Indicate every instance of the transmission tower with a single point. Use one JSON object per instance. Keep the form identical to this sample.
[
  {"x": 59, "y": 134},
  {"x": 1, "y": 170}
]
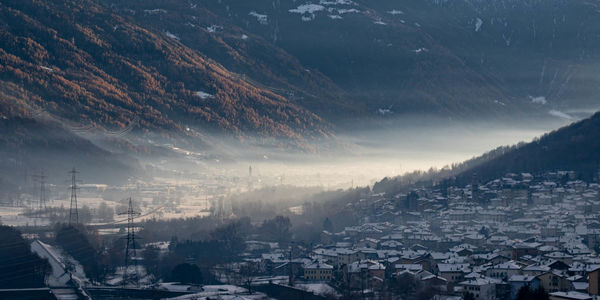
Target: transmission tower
[
  {"x": 42, "y": 180},
  {"x": 73, "y": 212},
  {"x": 130, "y": 250},
  {"x": 249, "y": 178},
  {"x": 290, "y": 265}
]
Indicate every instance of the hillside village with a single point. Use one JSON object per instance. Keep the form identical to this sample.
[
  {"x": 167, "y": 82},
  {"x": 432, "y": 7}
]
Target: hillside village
[
  {"x": 508, "y": 238},
  {"x": 486, "y": 241}
]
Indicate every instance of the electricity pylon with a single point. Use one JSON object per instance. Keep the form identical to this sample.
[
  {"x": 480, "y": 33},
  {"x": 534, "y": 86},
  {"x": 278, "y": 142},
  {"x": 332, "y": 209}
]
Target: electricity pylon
[
  {"x": 42, "y": 180},
  {"x": 130, "y": 248},
  {"x": 73, "y": 212}
]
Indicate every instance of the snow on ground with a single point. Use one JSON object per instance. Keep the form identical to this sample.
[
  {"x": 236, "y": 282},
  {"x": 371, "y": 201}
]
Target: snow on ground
[
  {"x": 213, "y": 291},
  {"x": 64, "y": 268},
  {"x": 259, "y": 280},
  {"x": 320, "y": 289},
  {"x": 379, "y": 22},
  {"x": 117, "y": 278},
  {"x": 334, "y": 17},
  {"x": 67, "y": 260},
  {"x": 174, "y": 286},
  {"x": 478, "y": 23},
  {"x": 58, "y": 276},
  {"x": 262, "y": 19},
  {"x": 204, "y": 95}
]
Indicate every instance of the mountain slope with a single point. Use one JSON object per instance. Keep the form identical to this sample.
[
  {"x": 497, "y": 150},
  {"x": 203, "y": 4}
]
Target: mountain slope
[
  {"x": 89, "y": 65},
  {"x": 248, "y": 55},
  {"x": 543, "y": 53},
  {"x": 572, "y": 148},
  {"x": 290, "y": 73},
  {"x": 30, "y": 143},
  {"x": 452, "y": 58},
  {"x": 389, "y": 65}
]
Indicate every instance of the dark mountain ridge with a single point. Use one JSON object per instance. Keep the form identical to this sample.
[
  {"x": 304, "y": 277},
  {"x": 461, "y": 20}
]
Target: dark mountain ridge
[
  {"x": 575, "y": 147},
  {"x": 572, "y": 148}
]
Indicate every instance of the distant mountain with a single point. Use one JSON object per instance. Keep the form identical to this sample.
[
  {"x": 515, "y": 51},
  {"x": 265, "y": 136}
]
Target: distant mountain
[
  {"x": 394, "y": 67},
  {"x": 452, "y": 58},
  {"x": 543, "y": 52}
]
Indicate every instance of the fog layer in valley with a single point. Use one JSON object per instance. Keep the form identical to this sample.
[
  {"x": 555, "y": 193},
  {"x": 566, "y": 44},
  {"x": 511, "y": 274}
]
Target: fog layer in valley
[{"x": 185, "y": 182}]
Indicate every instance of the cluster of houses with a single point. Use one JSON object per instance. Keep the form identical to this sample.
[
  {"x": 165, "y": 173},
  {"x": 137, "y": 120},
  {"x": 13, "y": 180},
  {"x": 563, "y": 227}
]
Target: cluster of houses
[{"x": 483, "y": 240}]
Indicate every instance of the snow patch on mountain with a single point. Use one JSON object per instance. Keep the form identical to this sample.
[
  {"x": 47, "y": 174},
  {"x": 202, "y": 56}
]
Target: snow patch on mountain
[
  {"x": 395, "y": 12},
  {"x": 507, "y": 40},
  {"x": 262, "y": 19},
  {"x": 347, "y": 11},
  {"x": 213, "y": 28},
  {"x": 204, "y": 95},
  {"x": 47, "y": 69},
  {"x": 560, "y": 114},
  {"x": 538, "y": 100},
  {"x": 307, "y": 9},
  {"x": 478, "y": 23},
  {"x": 172, "y": 35},
  {"x": 337, "y": 2},
  {"x": 155, "y": 11},
  {"x": 384, "y": 111}
]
